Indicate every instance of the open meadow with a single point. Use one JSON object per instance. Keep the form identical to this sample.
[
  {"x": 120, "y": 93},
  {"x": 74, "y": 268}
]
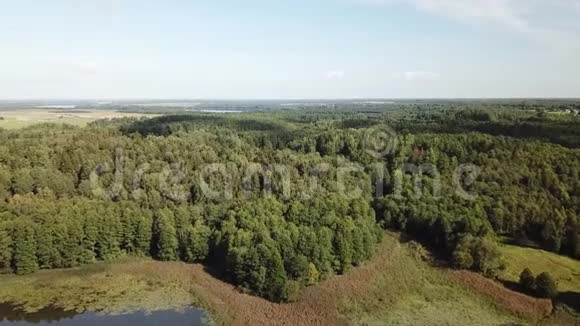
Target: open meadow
[
  {"x": 566, "y": 270},
  {"x": 15, "y": 119}
]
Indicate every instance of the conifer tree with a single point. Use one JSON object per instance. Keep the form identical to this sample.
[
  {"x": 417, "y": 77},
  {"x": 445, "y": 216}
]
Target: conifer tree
[
  {"x": 5, "y": 246},
  {"x": 24, "y": 259},
  {"x": 165, "y": 235}
]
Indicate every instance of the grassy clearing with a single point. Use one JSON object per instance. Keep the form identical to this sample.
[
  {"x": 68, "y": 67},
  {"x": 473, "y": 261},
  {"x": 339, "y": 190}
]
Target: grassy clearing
[
  {"x": 410, "y": 292},
  {"x": 565, "y": 270},
  {"x": 16, "y": 119}
]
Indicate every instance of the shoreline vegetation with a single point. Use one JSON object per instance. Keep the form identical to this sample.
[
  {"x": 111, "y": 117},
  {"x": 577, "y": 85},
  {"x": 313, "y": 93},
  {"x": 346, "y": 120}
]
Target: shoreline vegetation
[{"x": 396, "y": 287}]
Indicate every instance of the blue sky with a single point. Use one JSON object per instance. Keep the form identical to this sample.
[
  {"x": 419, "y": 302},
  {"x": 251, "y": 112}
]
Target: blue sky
[{"x": 113, "y": 49}]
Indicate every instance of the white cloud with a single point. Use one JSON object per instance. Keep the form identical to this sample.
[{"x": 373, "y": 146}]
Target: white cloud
[
  {"x": 536, "y": 19},
  {"x": 502, "y": 11},
  {"x": 334, "y": 75}
]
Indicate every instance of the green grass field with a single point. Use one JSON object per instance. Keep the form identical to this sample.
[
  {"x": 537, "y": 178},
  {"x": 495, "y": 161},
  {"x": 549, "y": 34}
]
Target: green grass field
[
  {"x": 410, "y": 292},
  {"x": 565, "y": 270}
]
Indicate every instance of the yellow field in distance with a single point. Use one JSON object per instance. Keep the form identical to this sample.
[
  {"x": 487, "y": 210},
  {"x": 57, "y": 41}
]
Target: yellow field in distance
[{"x": 15, "y": 119}]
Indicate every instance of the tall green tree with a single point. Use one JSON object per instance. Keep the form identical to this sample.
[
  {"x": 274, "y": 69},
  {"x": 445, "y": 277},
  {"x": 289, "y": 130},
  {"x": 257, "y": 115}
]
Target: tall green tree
[
  {"x": 24, "y": 259},
  {"x": 5, "y": 246},
  {"x": 165, "y": 235}
]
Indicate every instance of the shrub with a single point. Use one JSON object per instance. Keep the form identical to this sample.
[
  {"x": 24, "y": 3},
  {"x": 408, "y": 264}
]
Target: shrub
[
  {"x": 293, "y": 290},
  {"x": 313, "y": 275},
  {"x": 546, "y": 286},
  {"x": 419, "y": 252},
  {"x": 527, "y": 280},
  {"x": 480, "y": 255},
  {"x": 462, "y": 257}
]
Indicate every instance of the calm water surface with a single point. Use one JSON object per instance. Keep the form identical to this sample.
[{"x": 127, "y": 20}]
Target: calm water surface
[{"x": 11, "y": 316}]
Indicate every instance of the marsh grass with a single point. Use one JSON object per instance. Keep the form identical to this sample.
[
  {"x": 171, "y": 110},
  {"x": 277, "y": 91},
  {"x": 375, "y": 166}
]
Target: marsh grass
[{"x": 112, "y": 288}]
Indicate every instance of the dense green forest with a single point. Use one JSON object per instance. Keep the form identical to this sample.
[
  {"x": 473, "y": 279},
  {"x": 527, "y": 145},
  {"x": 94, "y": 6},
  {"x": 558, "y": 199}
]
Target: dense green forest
[{"x": 278, "y": 200}]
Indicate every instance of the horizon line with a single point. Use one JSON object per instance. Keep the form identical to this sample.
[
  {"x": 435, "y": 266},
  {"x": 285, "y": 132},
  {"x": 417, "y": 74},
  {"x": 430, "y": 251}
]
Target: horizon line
[{"x": 184, "y": 99}]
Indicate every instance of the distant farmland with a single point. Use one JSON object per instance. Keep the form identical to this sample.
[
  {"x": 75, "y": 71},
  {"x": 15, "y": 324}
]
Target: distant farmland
[{"x": 15, "y": 119}]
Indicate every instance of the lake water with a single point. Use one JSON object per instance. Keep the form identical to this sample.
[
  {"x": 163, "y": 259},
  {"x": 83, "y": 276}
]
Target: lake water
[{"x": 9, "y": 316}]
